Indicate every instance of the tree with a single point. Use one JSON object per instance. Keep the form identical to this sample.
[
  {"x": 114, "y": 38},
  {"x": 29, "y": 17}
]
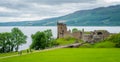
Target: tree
[
  {"x": 2, "y": 43},
  {"x": 48, "y": 34},
  {"x": 12, "y": 40},
  {"x": 42, "y": 40},
  {"x": 39, "y": 41},
  {"x": 75, "y": 30},
  {"x": 8, "y": 39},
  {"x": 18, "y": 38},
  {"x": 5, "y": 42}
]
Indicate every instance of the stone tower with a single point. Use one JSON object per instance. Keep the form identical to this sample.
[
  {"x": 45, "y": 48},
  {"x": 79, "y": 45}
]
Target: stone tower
[
  {"x": 82, "y": 33},
  {"x": 62, "y": 30}
]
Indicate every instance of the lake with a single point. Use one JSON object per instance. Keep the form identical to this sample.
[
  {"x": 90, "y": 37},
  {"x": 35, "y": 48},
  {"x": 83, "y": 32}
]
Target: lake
[{"x": 28, "y": 30}]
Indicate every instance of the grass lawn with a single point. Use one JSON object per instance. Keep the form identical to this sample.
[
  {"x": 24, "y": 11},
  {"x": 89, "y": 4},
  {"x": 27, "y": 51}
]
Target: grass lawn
[
  {"x": 10, "y": 53},
  {"x": 66, "y": 41},
  {"x": 70, "y": 55}
]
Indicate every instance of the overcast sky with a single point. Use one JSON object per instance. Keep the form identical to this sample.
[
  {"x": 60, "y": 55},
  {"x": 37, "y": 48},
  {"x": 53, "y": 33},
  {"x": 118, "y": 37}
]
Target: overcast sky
[{"x": 27, "y": 10}]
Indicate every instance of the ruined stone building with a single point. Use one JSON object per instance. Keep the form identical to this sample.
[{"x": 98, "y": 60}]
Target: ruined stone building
[{"x": 93, "y": 36}]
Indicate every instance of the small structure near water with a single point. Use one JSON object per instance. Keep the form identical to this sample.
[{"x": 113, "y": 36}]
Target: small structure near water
[{"x": 93, "y": 36}]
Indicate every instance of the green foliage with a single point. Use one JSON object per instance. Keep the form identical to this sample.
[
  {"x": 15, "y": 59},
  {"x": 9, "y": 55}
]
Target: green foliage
[
  {"x": 101, "y": 44},
  {"x": 75, "y": 30},
  {"x": 115, "y": 38},
  {"x": 106, "y": 44},
  {"x": 49, "y": 39},
  {"x": 42, "y": 40},
  {"x": 5, "y": 42},
  {"x": 39, "y": 41},
  {"x": 87, "y": 32},
  {"x": 86, "y": 45},
  {"x": 65, "y": 41},
  {"x": 12, "y": 40},
  {"x": 19, "y": 38}
]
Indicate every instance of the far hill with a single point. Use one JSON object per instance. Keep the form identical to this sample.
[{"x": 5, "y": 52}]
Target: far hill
[{"x": 103, "y": 16}]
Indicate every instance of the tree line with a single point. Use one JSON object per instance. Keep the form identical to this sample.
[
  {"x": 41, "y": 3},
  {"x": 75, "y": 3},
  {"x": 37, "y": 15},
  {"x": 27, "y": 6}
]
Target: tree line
[{"x": 10, "y": 41}]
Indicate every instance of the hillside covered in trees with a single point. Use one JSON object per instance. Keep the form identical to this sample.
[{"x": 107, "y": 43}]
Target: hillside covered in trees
[{"x": 103, "y": 16}]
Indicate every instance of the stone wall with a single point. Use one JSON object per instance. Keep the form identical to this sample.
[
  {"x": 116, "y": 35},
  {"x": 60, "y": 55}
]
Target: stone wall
[
  {"x": 87, "y": 38},
  {"x": 77, "y": 35},
  {"x": 94, "y": 36}
]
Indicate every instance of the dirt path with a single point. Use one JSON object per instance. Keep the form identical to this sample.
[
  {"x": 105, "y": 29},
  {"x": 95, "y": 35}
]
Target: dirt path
[{"x": 41, "y": 50}]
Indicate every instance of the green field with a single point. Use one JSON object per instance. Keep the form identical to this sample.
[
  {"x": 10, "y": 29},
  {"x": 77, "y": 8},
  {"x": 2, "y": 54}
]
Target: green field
[
  {"x": 70, "y": 55},
  {"x": 11, "y": 53},
  {"x": 7, "y": 54}
]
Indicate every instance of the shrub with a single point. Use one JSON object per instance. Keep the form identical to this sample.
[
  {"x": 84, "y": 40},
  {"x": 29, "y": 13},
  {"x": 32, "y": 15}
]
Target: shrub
[
  {"x": 86, "y": 45},
  {"x": 105, "y": 44},
  {"x": 115, "y": 38},
  {"x": 65, "y": 41}
]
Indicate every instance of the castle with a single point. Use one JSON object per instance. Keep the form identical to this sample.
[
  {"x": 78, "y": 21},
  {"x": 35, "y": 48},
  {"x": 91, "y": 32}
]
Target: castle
[{"x": 92, "y": 36}]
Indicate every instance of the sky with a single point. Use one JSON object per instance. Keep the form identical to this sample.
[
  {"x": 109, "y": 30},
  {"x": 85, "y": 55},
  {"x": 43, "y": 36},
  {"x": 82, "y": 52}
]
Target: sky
[{"x": 31, "y": 10}]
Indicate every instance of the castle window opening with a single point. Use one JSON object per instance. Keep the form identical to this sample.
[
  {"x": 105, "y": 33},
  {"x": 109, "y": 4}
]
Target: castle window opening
[{"x": 99, "y": 33}]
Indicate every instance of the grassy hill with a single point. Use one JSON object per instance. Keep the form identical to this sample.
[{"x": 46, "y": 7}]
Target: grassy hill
[
  {"x": 103, "y": 16},
  {"x": 70, "y": 55}
]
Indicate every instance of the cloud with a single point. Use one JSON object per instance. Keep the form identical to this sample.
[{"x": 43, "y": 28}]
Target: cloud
[
  {"x": 112, "y": 1},
  {"x": 21, "y": 10},
  {"x": 56, "y": 2}
]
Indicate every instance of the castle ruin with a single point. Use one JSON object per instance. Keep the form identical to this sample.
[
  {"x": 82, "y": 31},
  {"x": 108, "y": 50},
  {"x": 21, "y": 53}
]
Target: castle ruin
[{"x": 93, "y": 36}]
